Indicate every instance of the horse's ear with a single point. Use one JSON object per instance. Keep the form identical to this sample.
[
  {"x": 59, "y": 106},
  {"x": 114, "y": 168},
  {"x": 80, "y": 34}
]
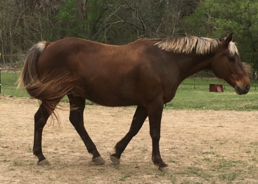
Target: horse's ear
[
  {"x": 227, "y": 39},
  {"x": 224, "y": 36}
]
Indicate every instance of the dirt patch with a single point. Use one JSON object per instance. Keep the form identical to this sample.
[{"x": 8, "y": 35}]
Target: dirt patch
[{"x": 199, "y": 146}]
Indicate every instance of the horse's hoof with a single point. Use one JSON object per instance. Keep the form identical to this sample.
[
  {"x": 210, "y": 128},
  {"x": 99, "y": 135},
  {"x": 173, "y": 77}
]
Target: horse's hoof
[
  {"x": 98, "y": 161},
  {"x": 116, "y": 161},
  {"x": 43, "y": 162},
  {"x": 165, "y": 169}
]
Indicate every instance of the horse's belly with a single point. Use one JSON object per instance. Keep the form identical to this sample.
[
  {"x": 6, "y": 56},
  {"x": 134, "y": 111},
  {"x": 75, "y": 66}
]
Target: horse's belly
[
  {"x": 111, "y": 101},
  {"x": 109, "y": 97}
]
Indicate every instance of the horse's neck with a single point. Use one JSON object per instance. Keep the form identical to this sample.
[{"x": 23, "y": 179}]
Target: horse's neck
[{"x": 193, "y": 64}]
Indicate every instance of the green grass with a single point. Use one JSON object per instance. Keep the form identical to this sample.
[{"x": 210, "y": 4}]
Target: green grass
[
  {"x": 193, "y": 93},
  {"x": 9, "y": 85}
]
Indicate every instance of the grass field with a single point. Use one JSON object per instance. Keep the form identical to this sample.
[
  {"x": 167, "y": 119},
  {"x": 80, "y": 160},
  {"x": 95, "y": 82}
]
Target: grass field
[{"x": 193, "y": 93}]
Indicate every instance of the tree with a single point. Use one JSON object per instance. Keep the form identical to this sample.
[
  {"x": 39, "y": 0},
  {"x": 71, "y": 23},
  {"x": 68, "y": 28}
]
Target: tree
[
  {"x": 122, "y": 21},
  {"x": 23, "y": 23},
  {"x": 70, "y": 23},
  {"x": 26, "y": 22}
]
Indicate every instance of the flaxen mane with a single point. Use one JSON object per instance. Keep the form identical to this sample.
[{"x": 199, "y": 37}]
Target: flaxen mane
[{"x": 186, "y": 45}]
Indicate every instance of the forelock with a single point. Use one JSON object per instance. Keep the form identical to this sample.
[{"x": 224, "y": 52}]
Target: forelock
[{"x": 233, "y": 48}]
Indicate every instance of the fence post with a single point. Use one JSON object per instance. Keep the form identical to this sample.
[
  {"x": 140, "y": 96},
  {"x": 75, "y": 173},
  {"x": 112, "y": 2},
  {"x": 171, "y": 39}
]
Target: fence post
[{"x": 0, "y": 72}]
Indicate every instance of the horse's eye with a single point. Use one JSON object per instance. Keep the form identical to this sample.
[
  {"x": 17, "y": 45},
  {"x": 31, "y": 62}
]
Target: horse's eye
[{"x": 231, "y": 59}]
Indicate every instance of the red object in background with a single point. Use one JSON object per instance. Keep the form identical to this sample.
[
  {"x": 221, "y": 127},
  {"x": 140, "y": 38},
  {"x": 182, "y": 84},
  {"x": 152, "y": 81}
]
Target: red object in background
[{"x": 216, "y": 87}]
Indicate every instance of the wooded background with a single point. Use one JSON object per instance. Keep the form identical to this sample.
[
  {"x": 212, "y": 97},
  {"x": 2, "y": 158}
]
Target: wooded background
[{"x": 26, "y": 22}]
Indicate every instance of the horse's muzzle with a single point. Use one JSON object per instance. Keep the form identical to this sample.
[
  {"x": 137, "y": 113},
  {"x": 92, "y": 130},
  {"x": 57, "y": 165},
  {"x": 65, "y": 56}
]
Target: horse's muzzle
[{"x": 242, "y": 91}]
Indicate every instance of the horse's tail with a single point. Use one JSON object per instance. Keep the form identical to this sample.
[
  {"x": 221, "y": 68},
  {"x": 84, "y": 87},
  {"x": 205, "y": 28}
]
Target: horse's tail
[
  {"x": 29, "y": 74},
  {"x": 49, "y": 88}
]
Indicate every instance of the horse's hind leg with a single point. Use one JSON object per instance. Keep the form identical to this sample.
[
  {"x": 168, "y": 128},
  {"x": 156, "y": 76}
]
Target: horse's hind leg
[
  {"x": 40, "y": 120},
  {"x": 77, "y": 105},
  {"x": 137, "y": 122}
]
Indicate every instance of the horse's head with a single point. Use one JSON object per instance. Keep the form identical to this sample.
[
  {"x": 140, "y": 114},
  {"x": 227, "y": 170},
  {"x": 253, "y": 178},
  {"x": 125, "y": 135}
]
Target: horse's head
[{"x": 227, "y": 65}]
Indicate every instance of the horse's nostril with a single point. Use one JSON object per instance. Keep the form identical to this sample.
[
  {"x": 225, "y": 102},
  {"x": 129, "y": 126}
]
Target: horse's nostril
[{"x": 247, "y": 87}]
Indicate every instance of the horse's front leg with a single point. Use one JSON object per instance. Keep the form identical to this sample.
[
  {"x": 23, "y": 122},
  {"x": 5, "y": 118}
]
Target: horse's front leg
[
  {"x": 155, "y": 114},
  {"x": 137, "y": 122}
]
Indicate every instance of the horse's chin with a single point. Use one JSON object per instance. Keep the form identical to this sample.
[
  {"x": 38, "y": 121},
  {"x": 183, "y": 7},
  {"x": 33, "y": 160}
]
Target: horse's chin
[
  {"x": 242, "y": 91},
  {"x": 237, "y": 91}
]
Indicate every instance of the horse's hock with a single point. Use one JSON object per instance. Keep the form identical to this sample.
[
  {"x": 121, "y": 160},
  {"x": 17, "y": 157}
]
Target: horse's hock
[{"x": 216, "y": 87}]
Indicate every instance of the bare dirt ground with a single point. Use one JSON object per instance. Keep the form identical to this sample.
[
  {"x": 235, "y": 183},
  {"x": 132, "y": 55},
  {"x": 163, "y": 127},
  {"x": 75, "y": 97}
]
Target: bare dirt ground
[{"x": 199, "y": 146}]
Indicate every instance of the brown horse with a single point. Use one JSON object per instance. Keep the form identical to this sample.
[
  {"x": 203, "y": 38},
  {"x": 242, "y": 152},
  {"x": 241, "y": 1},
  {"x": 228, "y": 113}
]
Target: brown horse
[{"x": 145, "y": 73}]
